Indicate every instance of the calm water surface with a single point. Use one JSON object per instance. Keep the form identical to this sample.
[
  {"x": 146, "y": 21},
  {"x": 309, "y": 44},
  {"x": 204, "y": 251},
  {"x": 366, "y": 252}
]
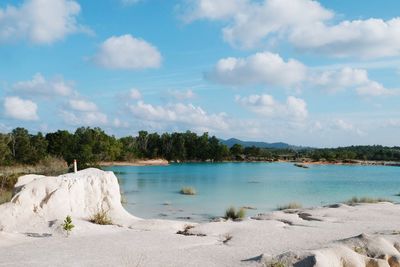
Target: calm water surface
[{"x": 263, "y": 186}]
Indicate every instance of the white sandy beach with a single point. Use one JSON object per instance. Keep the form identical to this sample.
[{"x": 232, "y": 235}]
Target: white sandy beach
[{"x": 31, "y": 233}]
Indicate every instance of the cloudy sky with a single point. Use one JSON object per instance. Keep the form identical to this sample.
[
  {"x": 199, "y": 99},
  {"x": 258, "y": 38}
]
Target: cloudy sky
[{"x": 305, "y": 72}]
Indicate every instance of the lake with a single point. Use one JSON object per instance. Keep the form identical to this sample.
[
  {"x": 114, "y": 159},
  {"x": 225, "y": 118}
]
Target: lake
[{"x": 153, "y": 191}]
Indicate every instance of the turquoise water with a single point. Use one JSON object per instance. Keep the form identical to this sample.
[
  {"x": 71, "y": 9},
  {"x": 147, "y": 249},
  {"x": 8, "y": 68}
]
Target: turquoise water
[{"x": 153, "y": 191}]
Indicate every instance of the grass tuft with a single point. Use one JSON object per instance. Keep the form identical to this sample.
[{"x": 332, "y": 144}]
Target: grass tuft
[
  {"x": 101, "y": 217},
  {"x": 5, "y": 196},
  {"x": 290, "y": 206},
  {"x": 365, "y": 200},
  {"x": 187, "y": 190},
  {"x": 232, "y": 213}
]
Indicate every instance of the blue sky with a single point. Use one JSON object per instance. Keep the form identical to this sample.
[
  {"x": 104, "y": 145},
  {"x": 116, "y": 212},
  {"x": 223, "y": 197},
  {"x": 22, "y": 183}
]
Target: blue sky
[{"x": 299, "y": 71}]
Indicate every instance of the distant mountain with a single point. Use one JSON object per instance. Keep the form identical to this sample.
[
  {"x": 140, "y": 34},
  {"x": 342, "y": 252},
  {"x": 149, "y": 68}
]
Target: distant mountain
[{"x": 230, "y": 142}]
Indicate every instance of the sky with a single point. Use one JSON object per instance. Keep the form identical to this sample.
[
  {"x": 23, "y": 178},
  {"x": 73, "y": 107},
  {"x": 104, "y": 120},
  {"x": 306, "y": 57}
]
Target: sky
[{"x": 311, "y": 73}]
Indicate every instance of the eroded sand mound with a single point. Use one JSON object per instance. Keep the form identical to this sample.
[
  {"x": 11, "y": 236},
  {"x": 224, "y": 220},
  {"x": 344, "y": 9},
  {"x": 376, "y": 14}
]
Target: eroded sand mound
[
  {"x": 359, "y": 251},
  {"x": 41, "y": 201}
]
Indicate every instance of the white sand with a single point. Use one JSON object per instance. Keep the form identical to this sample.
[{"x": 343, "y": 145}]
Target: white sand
[{"x": 315, "y": 237}]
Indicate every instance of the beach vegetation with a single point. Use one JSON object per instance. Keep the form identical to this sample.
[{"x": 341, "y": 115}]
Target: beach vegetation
[
  {"x": 290, "y": 206},
  {"x": 67, "y": 225},
  {"x": 365, "y": 200},
  {"x": 101, "y": 217},
  {"x": 233, "y": 214},
  {"x": 188, "y": 190},
  {"x": 91, "y": 146}
]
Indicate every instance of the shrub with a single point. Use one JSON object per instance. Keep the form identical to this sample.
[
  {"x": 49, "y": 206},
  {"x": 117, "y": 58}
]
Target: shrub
[
  {"x": 231, "y": 213},
  {"x": 356, "y": 200},
  {"x": 187, "y": 190},
  {"x": 101, "y": 217},
  {"x": 67, "y": 225},
  {"x": 290, "y": 206}
]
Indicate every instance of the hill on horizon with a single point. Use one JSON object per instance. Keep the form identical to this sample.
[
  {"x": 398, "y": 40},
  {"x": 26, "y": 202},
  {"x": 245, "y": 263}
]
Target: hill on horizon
[{"x": 278, "y": 145}]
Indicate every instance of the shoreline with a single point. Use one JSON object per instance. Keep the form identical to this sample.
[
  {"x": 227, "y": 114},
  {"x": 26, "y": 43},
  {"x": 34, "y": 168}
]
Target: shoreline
[{"x": 164, "y": 162}]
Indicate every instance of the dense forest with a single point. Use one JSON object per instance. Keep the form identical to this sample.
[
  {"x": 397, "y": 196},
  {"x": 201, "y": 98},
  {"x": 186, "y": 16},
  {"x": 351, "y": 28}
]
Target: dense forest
[{"x": 92, "y": 145}]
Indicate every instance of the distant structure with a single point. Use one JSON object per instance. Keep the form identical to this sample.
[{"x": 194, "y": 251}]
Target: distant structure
[{"x": 75, "y": 166}]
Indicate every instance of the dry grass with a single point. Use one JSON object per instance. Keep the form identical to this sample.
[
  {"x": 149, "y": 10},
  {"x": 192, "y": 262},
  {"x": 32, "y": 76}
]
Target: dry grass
[
  {"x": 187, "y": 190},
  {"x": 365, "y": 200},
  {"x": 5, "y": 196},
  {"x": 101, "y": 217},
  {"x": 232, "y": 213},
  {"x": 290, "y": 206}
]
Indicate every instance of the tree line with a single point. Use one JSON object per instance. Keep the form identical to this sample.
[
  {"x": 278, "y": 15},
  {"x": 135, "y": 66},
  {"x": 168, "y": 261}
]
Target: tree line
[{"x": 92, "y": 145}]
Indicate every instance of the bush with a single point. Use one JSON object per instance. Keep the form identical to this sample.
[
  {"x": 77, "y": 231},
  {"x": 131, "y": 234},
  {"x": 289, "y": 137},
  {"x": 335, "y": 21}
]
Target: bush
[
  {"x": 231, "y": 213},
  {"x": 186, "y": 190},
  {"x": 363, "y": 200},
  {"x": 101, "y": 217},
  {"x": 290, "y": 206}
]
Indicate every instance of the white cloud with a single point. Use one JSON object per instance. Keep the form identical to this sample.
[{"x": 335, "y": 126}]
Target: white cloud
[
  {"x": 249, "y": 24},
  {"x": 376, "y": 89},
  {"x": 39, "y": 86},
  {"x": 82, "y": 105},
  {"x": 182, "y": 95},
  {"x": 40, "y": 21},
  {"x": 261, "y": 68},
  {"x": 134, "y": 94},
  {"x": 266, "y": 105},
  {"x": 340, "y": 79},
  {"x": 20, "y": 109},
  {"x": 127, "y": 52},
  {"x": 187, "y": 115},
  {"x": 212, "y": 9},
  {"x": 91, "y": 118},
  {"x": 270, "y": 69},
  {"x": 346, "y": 126},
  {"x": 369, "y": 38}
]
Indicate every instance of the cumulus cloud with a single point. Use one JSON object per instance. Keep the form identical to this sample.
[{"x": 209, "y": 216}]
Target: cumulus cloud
[
  {"x": 369, "y": 38},
  {"x": 40, "y": 21},
  {"x": 127, "y": 52},
  {"x": 376, "y": 89},
  {"x": 20, "y": 109},
  {"x": 91, "y": 118},
  {"x": 82, "y": 105},
  {"x": 340, "y": 79},
  {"x": 134, "y": 94},
  {"x": 260, "y": 68},
  {"x": 267, "y": 106},
  {"x": 270, "y": 69},
  {"x": 249, "y": 24},
  {"x": 40, "y": 86},
  {"x": 187, "y": 115}
]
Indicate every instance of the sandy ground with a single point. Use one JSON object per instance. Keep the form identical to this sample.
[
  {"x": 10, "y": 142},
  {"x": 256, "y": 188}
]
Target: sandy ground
[{"x": 321, "y": 234}]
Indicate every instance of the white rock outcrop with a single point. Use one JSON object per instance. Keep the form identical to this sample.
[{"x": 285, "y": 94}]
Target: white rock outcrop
[{"x": 41, "y": 201}]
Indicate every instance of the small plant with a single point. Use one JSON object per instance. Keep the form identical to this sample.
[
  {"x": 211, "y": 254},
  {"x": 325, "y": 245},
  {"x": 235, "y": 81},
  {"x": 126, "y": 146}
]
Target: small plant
[
  {"x": 276, "y": 264},
  {"x": 290, "y": 206},
  {"x": 360, "y": 250},
  {"x": 355, "y": 200},
  {"x": 187, "y": 190},
  {"x": 231, "y": 213},
  {"x": 5, "y": 196},
  {"x": 101, "y": 217},
  {"x": 67, "y": 225}
]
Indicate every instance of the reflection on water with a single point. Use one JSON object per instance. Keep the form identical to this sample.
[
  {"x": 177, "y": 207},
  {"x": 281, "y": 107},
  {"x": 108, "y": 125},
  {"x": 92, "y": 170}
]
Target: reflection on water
[{"x": 263, "y": 186}]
